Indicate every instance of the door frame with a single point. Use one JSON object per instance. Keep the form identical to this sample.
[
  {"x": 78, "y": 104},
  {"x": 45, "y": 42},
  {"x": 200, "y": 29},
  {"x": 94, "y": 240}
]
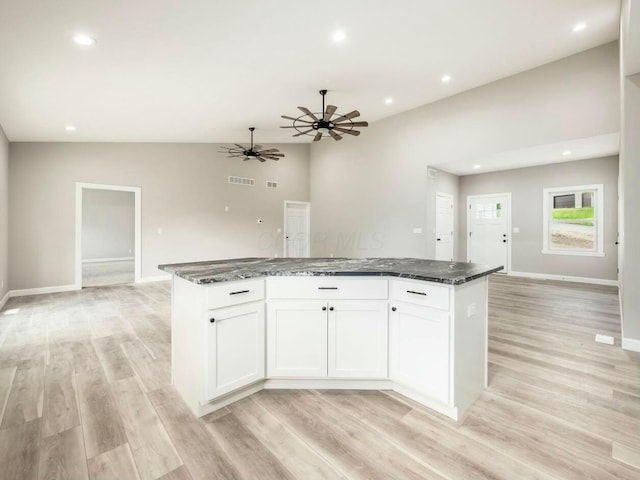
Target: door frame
[
  {"x": 435, "y": 229},
  {"x": 507, "y": 268},
  {"x": 137, "y": 191},
  {"x": 284, "y": 229}
]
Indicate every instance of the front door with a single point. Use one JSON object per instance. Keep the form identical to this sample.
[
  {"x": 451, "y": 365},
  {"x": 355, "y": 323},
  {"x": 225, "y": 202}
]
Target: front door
[
  {"x": 444, "y": 227},
  {"x": 488, "y": 220}
]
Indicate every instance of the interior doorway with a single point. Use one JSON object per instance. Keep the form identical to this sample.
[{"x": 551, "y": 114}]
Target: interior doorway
[
  {"x": 444, "y": 227},
  {"x": 297, "y": 227},
  {"x": 489, "y": 229},
  {"x": 107, "y": 235}
]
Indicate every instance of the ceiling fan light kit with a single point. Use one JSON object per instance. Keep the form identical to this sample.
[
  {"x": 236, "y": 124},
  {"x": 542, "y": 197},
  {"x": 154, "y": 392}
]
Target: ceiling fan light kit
[
  {"x": 324, "y": 124},
  {"x": 254, "y": 152}
]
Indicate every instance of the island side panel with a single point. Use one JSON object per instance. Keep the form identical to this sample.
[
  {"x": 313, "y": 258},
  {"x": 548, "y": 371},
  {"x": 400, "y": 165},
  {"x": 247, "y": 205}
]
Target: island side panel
[
  {"x": 470, "y": 342},
  {"x": 187, "y": 340}
]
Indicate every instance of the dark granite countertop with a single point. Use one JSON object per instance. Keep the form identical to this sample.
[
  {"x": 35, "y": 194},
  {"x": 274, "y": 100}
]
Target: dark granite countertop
[{"x": 452, "y": 273}]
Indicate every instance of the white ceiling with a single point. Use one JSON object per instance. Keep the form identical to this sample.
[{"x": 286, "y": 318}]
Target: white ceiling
[
  {"x": 205, "y": 70},
  {"x": 577, "y": 149}
]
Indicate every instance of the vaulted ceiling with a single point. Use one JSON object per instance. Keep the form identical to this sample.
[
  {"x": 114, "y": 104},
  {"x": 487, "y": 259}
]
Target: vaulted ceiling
[{"x": 204, "y": 71}]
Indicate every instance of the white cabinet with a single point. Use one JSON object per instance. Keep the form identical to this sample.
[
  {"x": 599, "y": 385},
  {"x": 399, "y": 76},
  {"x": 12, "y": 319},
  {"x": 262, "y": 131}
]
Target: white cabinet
[
  {"x": 419, "y": 349},
  {"x": 297, "y": 338},
  {"x": 234, "y": 348},
  {"x": 358, "y": 339},
  {"x": 316, "y": 338}
]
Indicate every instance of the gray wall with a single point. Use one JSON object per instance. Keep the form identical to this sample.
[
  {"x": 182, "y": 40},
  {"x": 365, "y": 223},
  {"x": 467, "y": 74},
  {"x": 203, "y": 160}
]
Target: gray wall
[
  {"x": 4, "y": 214},
  {"x": 369, "y": 192},
  {"x": 108, "y": 224},
  {"x": 526, "y": 185},
  {"x": 630, "y": 171},
  {"x": 184, "y": 192}
]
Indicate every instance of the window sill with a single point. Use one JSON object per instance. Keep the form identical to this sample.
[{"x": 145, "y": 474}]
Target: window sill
[{"x": 573, "y": 253}]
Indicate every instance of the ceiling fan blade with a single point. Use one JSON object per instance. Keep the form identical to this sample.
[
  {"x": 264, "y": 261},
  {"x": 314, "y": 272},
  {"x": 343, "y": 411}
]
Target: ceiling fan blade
[
  {"x": 355, "y": 133},
  {"x": 353, "y": 124},
  {"x": 274, "y": 150},
  {"x": 261, "y": 159},
  {"x": 257, "y": 147},
  {"x": 308, "y": 112},
  {"x": 348, "y": 116},
  {"x": 331, "y": 109},
  {"x": 303, "y": 133},
  {"x": 240, "y": 146},
  {"x": 281, "y": 155},
  {"x": 318, "y": 137},
  {"x": 296, "y": 126},
  {"x": 296, "y": 119},
  {"x": 335, "y": 135}
]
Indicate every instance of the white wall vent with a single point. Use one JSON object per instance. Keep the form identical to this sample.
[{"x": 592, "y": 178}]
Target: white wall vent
[
  {"x": 249, "y": 182},
  {"x": 432, "y": 172},
  {"x": 272, "y": 184}
]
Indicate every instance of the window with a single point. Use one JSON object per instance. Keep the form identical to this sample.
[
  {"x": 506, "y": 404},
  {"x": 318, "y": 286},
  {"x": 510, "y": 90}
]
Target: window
[{"x": 573, "y": 218}]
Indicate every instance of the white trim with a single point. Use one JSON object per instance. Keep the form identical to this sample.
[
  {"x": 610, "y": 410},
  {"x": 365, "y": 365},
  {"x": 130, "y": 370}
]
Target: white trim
[
  {"x": 4, "y": 299},
  {"x": 284, "y": 229},
  {"x": 631, "y": 344},
  {"x": 435, "y": 227},
  {"x": 105, "y": 260},
  {"x": 507, "y": 268},
  {"x": 137, "y": 191},
  {"x": 41, "y": 290},
  {"x": 599, "y": 224},
  {"x": 155, "y": 278},
  {"x": 565, "y": 278}
]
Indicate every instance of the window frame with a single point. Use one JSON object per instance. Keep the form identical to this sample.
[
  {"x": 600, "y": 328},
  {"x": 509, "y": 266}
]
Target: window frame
[{"x": 599, "y": 219}]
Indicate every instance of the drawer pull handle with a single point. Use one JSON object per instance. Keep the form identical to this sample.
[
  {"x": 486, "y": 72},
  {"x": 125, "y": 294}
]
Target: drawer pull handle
[
  {"x": 324, "y": 309},
  {"x": 239, "y": 292},
  {"x": 416, "y": 293},
  {"x": 331, "y": 309},
  {"x": 327, "y": 288},
  {"x": 213, "y": 320},
  {"x": 393, "y": 309}
]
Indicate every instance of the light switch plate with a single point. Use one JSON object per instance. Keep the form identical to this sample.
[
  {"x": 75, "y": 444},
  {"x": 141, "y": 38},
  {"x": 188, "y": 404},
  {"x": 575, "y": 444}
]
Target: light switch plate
[
  {"x": 417, "y": 230},
  {"x": 516, "y": 230}
]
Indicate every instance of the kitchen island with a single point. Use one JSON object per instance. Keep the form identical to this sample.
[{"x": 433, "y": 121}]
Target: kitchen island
[{"x": 415, "y": 326}]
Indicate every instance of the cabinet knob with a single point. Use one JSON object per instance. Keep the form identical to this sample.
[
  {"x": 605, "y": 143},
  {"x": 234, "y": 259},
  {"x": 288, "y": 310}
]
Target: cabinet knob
[
  {"x": 331, "y": 309},
  {"x": 324, "y": 309},
  {"x": 212, "y": 320},
  {"x": 393, "y": 309}
]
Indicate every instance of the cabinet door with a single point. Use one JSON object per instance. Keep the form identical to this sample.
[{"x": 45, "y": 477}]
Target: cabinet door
[
  {"x": 297, "y": 338},
  {"x": 419, "y": 349},
  {"x": 235, "y": 348},
  {"x": 358, "y": 339}
]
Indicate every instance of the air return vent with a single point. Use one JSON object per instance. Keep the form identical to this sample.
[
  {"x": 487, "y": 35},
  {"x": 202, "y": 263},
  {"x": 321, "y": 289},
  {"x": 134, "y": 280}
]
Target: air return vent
[
  {"x": 272, "y": 184},
  {"x": 248, "y": 182}
]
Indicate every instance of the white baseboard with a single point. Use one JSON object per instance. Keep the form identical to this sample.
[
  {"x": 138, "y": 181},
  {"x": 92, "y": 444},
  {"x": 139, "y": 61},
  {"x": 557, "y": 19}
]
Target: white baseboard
[
  {"x": 4, "y": 299},
  {"x": 154, "y": 278},
  {"x": 104, "y": 260},
  {"x": 565, "y": 278},
  {"x": 631, "y": 344},
  {"x": 41, "y": 290}
]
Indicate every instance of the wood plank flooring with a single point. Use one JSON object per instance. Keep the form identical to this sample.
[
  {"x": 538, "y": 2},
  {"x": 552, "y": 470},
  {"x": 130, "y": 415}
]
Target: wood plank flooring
[{"x": 85, "y": 394}]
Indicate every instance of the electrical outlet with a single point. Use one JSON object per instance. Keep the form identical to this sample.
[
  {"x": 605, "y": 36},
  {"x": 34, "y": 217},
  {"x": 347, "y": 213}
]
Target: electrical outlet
[
  {"x": 516, "y": 230},
  {"x": 160, "y": 231},
  {"x": 417, "y": 230},
  {"x": 472, "y": 310},
  {"x": 226, "y": 208}
]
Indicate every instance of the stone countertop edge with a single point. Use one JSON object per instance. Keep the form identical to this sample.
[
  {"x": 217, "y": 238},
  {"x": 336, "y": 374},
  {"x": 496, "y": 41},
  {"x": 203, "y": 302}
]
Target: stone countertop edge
[{"x": 218, "y": 271}]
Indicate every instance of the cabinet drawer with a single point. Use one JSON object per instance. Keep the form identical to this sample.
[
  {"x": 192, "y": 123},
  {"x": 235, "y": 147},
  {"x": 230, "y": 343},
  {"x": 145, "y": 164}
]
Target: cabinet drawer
[
  {"x": 421, "y": 293},
  {"x": 234, "y": 293},
  {"x": 354, "y": 288}
]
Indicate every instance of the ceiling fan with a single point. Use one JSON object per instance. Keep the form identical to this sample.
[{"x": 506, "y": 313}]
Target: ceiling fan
[
  {"x": 323, "y": 124},
  {"x": 253, "y": 152}
]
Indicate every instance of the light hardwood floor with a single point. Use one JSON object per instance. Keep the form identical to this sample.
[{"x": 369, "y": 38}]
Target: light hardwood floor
[{"x": 85, "y": 393}]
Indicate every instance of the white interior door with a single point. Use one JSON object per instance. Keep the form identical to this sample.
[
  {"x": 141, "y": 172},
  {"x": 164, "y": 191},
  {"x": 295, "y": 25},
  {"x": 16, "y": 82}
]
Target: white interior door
[
  {"x": 444, "y": 227},
  {"x": 296, "y": 229},
  {"x": 488, "y": 229}
]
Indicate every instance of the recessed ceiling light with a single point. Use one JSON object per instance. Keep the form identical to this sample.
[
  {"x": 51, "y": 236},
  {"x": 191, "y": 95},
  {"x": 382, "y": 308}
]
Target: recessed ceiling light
[
  {"x": 566, "y": 153},
  {"x": 445, "y": 78},
  {"x": 84, "y": 40},
  {"x": 339, "y": 36},
  {"x": 476, "y": 166},
  {"x": 70, "y": 128},
  {"x": 388, "y": 100},
  {"x": 579, "y": 27}
]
